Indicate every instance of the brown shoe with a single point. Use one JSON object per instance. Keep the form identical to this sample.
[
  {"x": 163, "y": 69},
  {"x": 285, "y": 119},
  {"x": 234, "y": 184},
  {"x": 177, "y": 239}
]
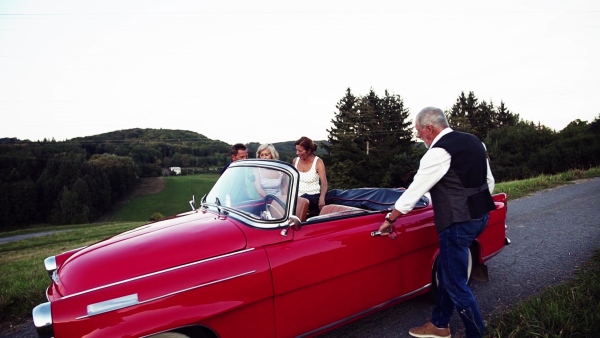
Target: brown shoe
[{"x": 429, "y": 331}]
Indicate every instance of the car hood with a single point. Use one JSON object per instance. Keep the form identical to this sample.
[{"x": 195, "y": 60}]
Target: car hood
[{"x": 154, "y": 247}]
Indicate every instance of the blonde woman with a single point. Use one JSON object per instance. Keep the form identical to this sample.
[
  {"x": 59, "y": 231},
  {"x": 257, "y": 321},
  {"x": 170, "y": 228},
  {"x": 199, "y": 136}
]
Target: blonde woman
[{"x": 269, "y": 181}]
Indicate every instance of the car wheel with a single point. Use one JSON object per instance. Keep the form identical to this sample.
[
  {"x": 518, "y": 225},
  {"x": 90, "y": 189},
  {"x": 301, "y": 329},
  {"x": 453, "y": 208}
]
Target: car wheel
[
  {"x": 187, "y": 333},
  {"x": 436, "y": 282},
  {"x": 170, "y": 335}
]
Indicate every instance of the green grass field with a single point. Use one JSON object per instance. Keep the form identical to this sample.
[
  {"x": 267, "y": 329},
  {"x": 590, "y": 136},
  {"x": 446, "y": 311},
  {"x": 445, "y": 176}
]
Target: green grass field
[{"x": 174, "y": 199}]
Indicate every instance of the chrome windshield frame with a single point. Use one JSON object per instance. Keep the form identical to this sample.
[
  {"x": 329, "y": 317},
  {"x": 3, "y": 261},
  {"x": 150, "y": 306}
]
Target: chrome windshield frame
[{"x": 245, "y": 217}]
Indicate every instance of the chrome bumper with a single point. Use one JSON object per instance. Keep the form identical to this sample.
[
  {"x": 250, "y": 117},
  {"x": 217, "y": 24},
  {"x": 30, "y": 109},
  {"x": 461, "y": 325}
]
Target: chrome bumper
[{"x": 42, "y": 319}]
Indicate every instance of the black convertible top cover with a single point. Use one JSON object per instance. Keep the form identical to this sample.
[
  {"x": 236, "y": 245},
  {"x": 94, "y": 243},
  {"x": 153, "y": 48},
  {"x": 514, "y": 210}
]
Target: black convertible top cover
[{"x": 369, "y": 198}]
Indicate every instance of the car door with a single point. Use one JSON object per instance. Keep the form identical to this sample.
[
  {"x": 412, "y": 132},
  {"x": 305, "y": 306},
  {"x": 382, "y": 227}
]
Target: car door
[{"x": 335, "y": 270}]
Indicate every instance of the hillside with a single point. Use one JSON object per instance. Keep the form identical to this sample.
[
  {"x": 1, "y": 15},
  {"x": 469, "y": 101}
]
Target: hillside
[
  {"x": 150, "y": 136},
  {"x": 287, "y": 149}
]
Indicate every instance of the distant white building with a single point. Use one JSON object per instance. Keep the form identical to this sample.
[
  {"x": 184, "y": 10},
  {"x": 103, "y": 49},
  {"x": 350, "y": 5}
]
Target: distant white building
[{"x": 176, "y": 170}]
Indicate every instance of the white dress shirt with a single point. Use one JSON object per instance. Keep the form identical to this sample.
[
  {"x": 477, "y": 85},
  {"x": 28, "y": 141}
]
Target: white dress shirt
[{"x": 433, "y": 166}]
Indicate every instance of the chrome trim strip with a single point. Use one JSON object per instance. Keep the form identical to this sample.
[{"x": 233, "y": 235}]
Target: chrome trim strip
[
  {"x": 166, "y": 295},
  {"x": 156, "y": 273},
  {"x": 112, "y": 304},
  {"x": 373, "y": 309}
]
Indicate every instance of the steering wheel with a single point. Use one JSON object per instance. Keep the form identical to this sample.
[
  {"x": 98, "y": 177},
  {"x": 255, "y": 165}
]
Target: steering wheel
[{"x": 278, "y": 211}]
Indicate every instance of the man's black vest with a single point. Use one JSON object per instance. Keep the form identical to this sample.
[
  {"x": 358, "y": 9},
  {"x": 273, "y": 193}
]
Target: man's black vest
[{"x": 462, "y": 194}]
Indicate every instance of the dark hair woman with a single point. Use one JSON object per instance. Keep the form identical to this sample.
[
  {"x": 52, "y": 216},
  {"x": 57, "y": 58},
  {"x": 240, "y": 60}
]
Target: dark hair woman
[{"x": 313, "y": 178}]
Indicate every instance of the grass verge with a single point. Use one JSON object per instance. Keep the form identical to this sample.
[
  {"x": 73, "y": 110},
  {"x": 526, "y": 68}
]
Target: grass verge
[
  {"x": 571, "y": 309},
  {"x": 518, "y": 189}
]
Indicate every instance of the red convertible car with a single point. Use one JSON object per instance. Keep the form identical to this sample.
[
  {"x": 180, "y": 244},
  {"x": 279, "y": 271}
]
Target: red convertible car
[{"x": 242, "y": 264}]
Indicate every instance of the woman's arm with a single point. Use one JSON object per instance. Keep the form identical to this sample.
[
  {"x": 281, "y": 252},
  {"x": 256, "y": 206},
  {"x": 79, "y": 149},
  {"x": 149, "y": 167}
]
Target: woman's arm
[
  {"x": 284, "y": 185},
  {"x": 323, "y": 182},
  {"x": 257, "y": 184}
]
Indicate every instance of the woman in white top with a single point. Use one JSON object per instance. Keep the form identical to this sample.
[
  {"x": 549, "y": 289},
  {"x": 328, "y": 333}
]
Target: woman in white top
[
  {"x": 313, "y": 179},
  {"x": 269, "y": 181}
]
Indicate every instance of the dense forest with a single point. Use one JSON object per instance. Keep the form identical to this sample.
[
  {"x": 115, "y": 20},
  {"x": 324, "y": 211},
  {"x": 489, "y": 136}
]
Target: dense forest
[{"x": 370, "y": 144}]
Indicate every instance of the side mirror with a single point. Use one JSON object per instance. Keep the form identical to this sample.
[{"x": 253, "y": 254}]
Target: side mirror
[{"x": 294, "y": 223}]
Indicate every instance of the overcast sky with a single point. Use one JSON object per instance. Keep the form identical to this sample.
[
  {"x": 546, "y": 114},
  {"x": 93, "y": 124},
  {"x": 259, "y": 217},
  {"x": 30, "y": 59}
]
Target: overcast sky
[{"x": 272, "y": 71}]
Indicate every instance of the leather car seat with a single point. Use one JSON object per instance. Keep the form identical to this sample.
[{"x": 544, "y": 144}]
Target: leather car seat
[
  {"x": 337, "y": 208},
  {"x": 302, "y": 208}
]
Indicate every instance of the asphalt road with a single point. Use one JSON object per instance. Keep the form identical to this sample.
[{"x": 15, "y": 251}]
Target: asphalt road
[
  {"x": 552, "y": 232},
  {"x": 20, "y": 237}
]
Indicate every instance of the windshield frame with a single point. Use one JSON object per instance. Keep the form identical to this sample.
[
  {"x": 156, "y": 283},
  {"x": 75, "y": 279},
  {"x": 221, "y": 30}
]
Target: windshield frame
[{"x": 244, "y": 216}]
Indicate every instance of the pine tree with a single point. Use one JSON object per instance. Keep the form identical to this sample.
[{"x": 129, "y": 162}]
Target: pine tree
[
  {"x": 344, "y": 122},
  {"x": 344, "y": 154},
  {"x": 504, "y": 117},
  {"x": 470, "y": 115},
  {"x": 483, "y": 119},
  {"x": 457, "y": 116},
  {"x": 368, "y": 132}
]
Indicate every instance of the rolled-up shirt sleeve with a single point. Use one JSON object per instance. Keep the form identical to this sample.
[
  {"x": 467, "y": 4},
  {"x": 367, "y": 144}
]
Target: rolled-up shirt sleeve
[
  {"x": 491, "y": 182},
  {"x": 490, "y": 178},
  {"x": 433, "y": 166}
]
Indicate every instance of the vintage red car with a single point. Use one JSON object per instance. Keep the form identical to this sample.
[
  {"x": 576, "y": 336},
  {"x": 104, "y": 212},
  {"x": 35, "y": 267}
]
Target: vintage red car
[{"x": 240, "y": 264}]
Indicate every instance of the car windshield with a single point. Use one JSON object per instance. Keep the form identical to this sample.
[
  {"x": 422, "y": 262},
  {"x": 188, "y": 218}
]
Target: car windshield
[{"x": 254, "y": 192}]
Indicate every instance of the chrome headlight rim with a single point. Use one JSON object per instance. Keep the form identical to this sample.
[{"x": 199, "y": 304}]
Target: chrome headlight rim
[{"x": 50, "y": 265}]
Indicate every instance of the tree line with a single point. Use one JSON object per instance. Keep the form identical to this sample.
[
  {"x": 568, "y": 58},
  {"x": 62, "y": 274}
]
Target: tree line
[{"x": 370, "y": 144}]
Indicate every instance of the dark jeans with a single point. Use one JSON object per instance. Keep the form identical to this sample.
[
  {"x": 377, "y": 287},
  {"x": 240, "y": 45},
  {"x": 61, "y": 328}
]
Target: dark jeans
[
  {"x": 313, "y": 206},
  {"x": 452, "y": 265}
]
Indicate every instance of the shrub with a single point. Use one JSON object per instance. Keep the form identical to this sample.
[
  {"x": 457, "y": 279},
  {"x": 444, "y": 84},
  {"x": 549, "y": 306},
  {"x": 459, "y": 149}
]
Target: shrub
[{"x": 157, "y": 216}]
